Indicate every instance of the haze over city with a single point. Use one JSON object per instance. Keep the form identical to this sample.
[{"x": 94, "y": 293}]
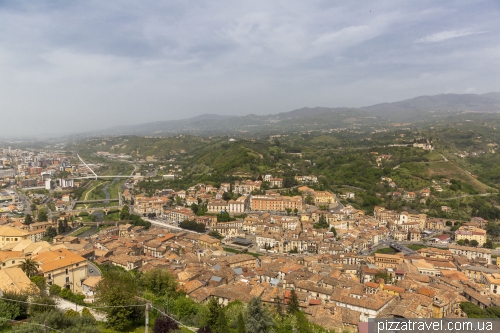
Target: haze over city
[{"x": 69, "y": 67}]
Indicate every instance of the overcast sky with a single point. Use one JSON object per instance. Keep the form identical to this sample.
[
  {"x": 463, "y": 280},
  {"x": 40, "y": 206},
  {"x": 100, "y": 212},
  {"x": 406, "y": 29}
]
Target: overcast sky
[{"x": 72, "y": 66}]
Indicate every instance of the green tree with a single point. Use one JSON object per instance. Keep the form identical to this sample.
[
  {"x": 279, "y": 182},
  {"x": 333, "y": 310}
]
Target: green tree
[
  {"x": 240, "y": 324},
  {"x": 42, "y": 215},
  {"x": 185, "y": 308},
  {"x": 192, "y": 225},
  {"x": 278, "y": 302},
  {"x": 217, "y": 320},
  {"x": 322, "y": 223},
  {"x": 117, "y": 289},
  {"x": 309, "y": 200},
  {"x": 8, "y": 310},
  {"x": 54, "y": 290},
  {"x": 493, "y": 312},
  {"x": 50, "y": 233},
  {"x": 60, "y": 228},
  {"x": 474, "y": 243},
  {"x": 29, "y": 267},
  {"x": 472, "y": 310},
  {"x": 56, "y": 320},
  {"x": 28, "y": 219},
  {"x": 488, "y": 244},
  {"x": 86, "y": 313},
  {"x": 226, "y": 196},
  {"x": 293, "y": 303},
  {"x": 165, "y": 324},
  {"x": 285, "y": 324},
  {"x": 41, "y": 303},
  {"x": 223, "y": 217},
  {"x": 72, "y": 313},
  {"x": 258, "y": 319},
  {"x": 159, "y": 281},
  {"x": 289, "y": 182},
  {"x": 382, "y": 275},
  {"x": 303, "y": 325},
  {"x": 215, "y": 234},
  {"x": 20, "y": 307},
  {"x": 39, "y": 281},
  {"x": 125, "y": 213},
  {"x": 461, "y": 242}
]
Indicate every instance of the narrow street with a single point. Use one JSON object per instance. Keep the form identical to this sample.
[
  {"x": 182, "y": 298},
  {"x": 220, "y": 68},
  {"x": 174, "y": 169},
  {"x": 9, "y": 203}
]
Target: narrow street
[{"x": 65, "y": 305}]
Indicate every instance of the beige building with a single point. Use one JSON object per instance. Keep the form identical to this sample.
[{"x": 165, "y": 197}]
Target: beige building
[
  {"x": 12, "y": 235},
  {"x": 388, "y": 260},
  {"x": 217, "y": 206},
  {"x": 471, "y": 233},
  {"x": 426, "y": 268},
  {"x": 63, "y": 268},
  {"x": 492, "y": 282},
  {"x": 275, "y": 203},
  {"x": 10, "y": 259},
  {"x": 246, "y": 187},
  {"x": 14, "y": 280},
  {"x": 144, "y": 205},
  {"x": 324, "y": 197},
  {"x": 240, "y": 260},
  {"x": 471, "y": 252},
  {"x": 181, "y": 214},
  {"x": 239, "y": 205}
]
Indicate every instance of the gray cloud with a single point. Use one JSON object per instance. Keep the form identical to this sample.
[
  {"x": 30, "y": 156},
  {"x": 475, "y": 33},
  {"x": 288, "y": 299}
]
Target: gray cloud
[
  {"x": 445, "y": 35},
  {"x": 75, "y": 66}
]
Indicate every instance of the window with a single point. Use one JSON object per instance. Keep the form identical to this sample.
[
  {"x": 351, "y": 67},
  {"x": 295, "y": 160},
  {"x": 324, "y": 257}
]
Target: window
[
  {"x": 67, "y": 272},
  {"x": 67, "y": 279},
  {"x": 13, "y": 262}
]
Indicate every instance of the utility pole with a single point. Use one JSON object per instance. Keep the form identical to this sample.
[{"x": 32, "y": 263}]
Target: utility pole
[
  {"x": 45, "y": 326},
  {"x": 146, "y": 328}
]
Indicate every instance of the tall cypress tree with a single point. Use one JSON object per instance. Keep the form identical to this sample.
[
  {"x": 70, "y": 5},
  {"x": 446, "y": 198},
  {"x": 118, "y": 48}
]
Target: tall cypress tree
[{"x": 293, "y": 303}]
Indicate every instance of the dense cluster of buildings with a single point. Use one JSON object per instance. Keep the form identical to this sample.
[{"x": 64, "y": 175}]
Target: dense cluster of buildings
[
  {"x": 337, "y": 287},
  {"x": 307, "y": 242}
]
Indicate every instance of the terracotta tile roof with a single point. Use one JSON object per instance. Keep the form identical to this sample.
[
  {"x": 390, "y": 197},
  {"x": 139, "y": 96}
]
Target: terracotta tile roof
[
  {"x": 52, "y": 260},
  {"x": 13, "y": 279}
]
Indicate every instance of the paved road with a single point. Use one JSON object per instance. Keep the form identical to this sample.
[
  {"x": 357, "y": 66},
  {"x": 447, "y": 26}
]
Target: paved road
[
  {"x": 95, "y": 270},
  {"x": 65, "y": 305}
]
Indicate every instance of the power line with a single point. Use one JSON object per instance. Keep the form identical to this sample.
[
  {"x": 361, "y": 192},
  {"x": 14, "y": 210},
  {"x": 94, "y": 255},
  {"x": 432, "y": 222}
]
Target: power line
[
  {"x": 178, "y": 322},
  {"x": 29, "y": 323},
  {"x": 90, "y": 307}
]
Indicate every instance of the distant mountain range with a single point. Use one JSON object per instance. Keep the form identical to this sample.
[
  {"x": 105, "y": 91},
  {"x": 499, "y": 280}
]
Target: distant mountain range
[
  {"x": 410, "y": 110},
  {"x": 489, "y": 102}
]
